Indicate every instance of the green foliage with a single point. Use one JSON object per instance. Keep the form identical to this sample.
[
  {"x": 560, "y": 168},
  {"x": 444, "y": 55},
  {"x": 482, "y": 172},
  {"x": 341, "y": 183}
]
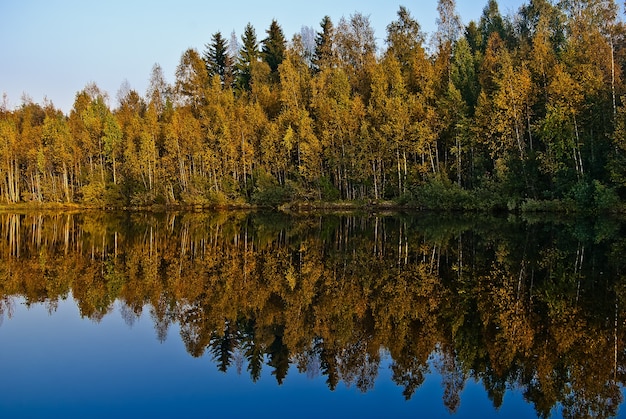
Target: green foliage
[
  {"x": 584, "y": 197},
  {"x": 534, "y": 205},
  {"x": 217, "y": 59},
  {"x": 605, "y": 198},
  {"x": 580, "y": 196},
  {"x": 274, "y": 47},
  {"x": 325, "y": 54},
  {"x": 268, "y": 192},
  {"x": 438, "y": 194},
  {"x": 442, "y": 195},
  {"x": 328, "y": 191},
  {"x": 247, "y": 57}
]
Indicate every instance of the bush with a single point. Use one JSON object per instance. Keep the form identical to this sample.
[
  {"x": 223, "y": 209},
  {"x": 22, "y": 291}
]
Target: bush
[
  {"x": 592, "y": 197},
  {"x": 114, "y": 196},
  {"x": 268, "y": 192},
  {"x": 443, "y": 195},
  {"x": 605, "y": 198},
  {"x": 439, "y": 194},
  {"x": 580, "y": 197},
  {"x": 328, "y": 190},
  {"x": 94, "y": 194},
  {"x": 539, "y": 205},
  {"x": 143, "y": 198}
]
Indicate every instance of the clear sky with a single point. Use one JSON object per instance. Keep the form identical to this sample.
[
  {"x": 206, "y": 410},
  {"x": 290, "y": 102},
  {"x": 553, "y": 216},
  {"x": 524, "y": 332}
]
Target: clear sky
[{"x": 54, "y": 48}]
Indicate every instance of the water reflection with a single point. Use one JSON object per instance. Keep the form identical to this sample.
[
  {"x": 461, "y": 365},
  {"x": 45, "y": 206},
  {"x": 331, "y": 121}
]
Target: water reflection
[{"x": 515, "y": 303}]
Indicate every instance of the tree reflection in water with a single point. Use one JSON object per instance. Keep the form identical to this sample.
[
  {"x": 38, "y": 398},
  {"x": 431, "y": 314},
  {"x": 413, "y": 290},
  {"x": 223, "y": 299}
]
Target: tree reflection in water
[{"x": 516, "y": 303}]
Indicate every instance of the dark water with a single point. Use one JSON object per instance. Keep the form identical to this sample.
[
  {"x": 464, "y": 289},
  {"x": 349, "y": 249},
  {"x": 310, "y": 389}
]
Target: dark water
[{"x": 266, "y": 315}]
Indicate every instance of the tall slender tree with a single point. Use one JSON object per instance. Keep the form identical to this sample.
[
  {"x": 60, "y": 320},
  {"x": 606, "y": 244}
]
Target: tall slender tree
[
  {"x": 356, "y": 49},
  {"x": 274, "y": 48},
  {"x": 448, "y": 30},
  {"x": 356, "y": 44},
  {"x": 325, "y": 55},
  {"x": 192, "y": 79},
  {"x": 218, "y": 59},
  {"x": 492, "y": 21},
  {"x": 248, "y": 55},
  {"x": 405, "y": 42},
  {"x": 159, "y": 91}
]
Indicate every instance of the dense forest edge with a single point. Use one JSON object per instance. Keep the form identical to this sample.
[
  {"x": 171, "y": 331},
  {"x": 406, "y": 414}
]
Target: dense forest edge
[{"x": 524, "y": 112}]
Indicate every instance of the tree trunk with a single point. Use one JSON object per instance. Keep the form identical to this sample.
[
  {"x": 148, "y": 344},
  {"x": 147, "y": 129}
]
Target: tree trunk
[
  {"x": 405, "y": 173},
  {"x": 399, "y": 170},
  {"x": 114, "y": 171},
  {"x": 458, "y": 160},
  {"x": 375, "y": 180},
  {"x": 577, "y": 155},
  {"x": 66, "y": 189},
  {"x": 613, "y": 76}
]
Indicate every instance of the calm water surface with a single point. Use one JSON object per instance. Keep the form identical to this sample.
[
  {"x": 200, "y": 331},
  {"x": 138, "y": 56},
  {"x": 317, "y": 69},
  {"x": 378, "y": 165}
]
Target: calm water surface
[{"x": 265, "y": 315}]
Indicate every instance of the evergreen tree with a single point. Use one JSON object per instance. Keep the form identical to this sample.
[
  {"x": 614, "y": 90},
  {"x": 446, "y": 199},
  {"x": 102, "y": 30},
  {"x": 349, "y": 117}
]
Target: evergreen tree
[
  {"x": 463, "y": 72},
  {"x": 248, "y": 56},
  {"x": 491, "y": 22},
  {"x": 324, "y": 47},
  {"x": 218, "y": 60},
  {"x": 274, "y": 47}
]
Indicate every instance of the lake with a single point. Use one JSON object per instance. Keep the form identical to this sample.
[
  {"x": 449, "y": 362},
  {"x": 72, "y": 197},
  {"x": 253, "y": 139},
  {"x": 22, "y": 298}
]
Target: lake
[{"x": 133, "y": 314}]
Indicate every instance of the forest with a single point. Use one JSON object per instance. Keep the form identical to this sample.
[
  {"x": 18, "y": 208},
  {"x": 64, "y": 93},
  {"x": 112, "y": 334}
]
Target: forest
[
  {"x": 512, "y": 303},
  {"x": 524, "y": 112}
]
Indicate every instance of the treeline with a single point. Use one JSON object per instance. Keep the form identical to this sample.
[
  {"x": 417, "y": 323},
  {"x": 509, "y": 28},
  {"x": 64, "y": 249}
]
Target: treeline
[
  {"x": 530, "y": 306},
  {"x": 510, "y": 112}
]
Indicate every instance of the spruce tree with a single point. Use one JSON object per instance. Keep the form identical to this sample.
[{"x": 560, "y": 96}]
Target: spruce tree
[
  {"x": 248, "y": 55},
  {"x": 274, "y": 47},
  {"x": 324, "y": 49},
  {"x": 217, "y": 59}
]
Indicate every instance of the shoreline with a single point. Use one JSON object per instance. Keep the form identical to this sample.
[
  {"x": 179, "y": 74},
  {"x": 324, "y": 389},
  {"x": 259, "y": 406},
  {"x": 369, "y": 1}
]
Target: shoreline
[{"x": 547, "y": 207}]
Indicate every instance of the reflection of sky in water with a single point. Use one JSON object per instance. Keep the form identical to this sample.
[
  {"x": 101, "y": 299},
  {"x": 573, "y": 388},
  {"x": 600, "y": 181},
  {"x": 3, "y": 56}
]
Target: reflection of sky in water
[{"x": 60, "y": 365}]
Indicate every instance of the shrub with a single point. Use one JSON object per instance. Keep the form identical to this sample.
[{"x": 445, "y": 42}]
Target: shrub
[
  {"x": 605, "y": 198},
  {"x": 268, "y": 192},
  {"x": 439, "y": 194},
  {"x": 94, "y": 194},
  {"x": 541, "y": 205},
  {"x": 328, "y": 190}
]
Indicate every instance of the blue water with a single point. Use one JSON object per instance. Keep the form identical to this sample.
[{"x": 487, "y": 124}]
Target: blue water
[{"x": 62, "y": 365}]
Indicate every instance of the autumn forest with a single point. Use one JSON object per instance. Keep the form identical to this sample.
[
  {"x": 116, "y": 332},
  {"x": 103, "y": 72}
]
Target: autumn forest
[{"x": 521, "y": 112}]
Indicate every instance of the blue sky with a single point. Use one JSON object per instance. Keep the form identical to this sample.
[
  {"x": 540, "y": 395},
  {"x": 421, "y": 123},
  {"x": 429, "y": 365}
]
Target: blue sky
[{"x": 54, "y": 48}]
